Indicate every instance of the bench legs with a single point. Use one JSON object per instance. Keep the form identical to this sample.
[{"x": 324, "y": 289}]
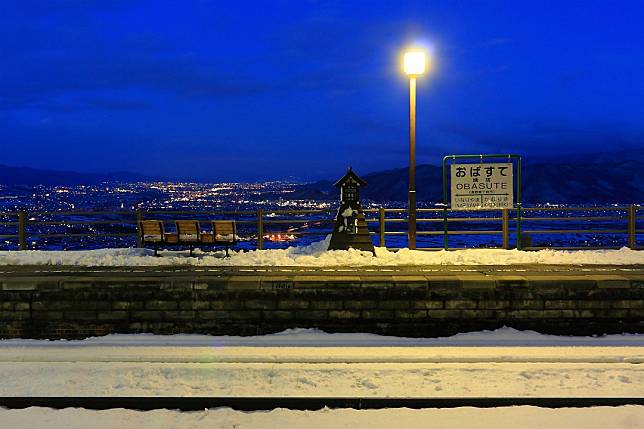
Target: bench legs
[
  {"x": 191, "y": 247},
  {"x": 153, "y": 246}
]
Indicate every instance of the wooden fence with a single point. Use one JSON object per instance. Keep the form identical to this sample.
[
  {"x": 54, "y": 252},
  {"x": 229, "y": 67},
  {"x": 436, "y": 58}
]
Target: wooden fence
[{"x": 514, "y": 228}]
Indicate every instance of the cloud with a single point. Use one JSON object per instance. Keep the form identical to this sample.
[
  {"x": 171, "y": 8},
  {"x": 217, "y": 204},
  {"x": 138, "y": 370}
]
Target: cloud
[
  {"x": 26, "y": 82},
  {"x": 568, "y": 77},
  {"x": 117, "y": 104},
  {"x": 497, "y": 41},
  {"x": 338, "y": 55},
  {"x": 74, "y": 103},
  {"x": 63, "y": 49},
  {"x": 544, "y": 137},
  {"x": 370, "y": 124},
  {"x": 61, "y": 8},
  {"x": 53, "y": 54}
]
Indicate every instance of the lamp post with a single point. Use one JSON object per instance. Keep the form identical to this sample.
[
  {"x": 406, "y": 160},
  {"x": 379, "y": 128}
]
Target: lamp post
[{"x": 414, "y": 65}]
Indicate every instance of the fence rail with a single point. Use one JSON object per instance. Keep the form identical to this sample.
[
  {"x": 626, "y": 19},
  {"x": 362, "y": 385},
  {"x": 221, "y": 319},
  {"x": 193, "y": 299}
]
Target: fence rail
[{"x": 515, "y": 228}]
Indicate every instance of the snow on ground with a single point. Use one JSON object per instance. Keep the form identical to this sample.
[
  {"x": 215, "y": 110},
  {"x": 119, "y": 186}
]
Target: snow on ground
[
  {"x": 317, "y": 255},
  {"x": 505, "y": 362},
  {"x": 310, "y": 337},
  {"x": 414, "y": 380},
  {"x": 524, "y": 417}
]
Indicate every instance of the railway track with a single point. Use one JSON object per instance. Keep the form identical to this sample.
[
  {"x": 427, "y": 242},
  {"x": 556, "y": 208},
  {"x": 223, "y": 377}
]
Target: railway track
[{"x": 305, "y": 403}]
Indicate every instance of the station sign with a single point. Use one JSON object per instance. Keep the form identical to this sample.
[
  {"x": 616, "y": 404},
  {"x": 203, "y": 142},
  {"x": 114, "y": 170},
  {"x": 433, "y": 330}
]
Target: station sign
[{"x": 482, "y": 186}]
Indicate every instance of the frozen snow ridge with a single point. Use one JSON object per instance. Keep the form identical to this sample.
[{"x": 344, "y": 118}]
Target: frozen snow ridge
[{"x": 317, "y": 255}]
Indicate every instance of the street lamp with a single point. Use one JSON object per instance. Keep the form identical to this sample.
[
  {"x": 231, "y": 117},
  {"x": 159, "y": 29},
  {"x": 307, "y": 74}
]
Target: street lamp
[{"x": 414, "y": 63}]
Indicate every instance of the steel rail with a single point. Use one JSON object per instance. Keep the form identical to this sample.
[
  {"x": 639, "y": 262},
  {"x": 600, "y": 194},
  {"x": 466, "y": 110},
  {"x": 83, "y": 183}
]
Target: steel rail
[
  {"x": 571, "y": 247},
  {"x": 577, "y": 218},
  {"x": 576, "y": 231},
  {"x": 484, "y": 232},
  {"x": 72, "y": 213},
  {"x": 533, "y": 209},
  {"x": 201, "y": 212},
  {"x": 263, "y": 403},
  {"x": 82, "y": 222},
  {"x": 87, "y": 234},
  {"x": 287, "y": 221}
]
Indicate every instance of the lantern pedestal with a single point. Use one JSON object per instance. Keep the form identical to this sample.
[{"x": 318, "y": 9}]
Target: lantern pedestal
[{"x": 350, "y": 230}]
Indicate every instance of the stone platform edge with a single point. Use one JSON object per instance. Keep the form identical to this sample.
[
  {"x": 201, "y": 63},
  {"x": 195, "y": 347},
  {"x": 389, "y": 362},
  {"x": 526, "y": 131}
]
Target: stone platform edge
[{"x": 77, "y": 304}]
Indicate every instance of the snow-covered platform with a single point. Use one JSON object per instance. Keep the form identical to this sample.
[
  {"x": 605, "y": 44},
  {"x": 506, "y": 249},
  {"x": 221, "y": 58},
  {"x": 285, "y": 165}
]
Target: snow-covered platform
[
  {"x": 317, "y": 255},
  {"x": 271, "y": 278},
  {"x": 74, "y": 294},
  {"x": 24, "y": 277}
]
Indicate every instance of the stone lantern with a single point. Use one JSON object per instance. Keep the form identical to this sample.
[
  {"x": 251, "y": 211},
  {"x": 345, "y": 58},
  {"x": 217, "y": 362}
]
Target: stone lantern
[{"x": 350, "y": 230}]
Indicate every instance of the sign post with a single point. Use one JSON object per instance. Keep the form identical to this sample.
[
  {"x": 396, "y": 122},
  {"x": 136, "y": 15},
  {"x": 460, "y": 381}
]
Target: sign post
[{"x": 482, "y": 186}]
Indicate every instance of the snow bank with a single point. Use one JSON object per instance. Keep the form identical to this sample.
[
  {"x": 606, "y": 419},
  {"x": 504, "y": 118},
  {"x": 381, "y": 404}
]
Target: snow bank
[
  {"x": 630, "y": 416},
  {"x": 301, "y": 337},
  {"x": 317, "y": 255}
]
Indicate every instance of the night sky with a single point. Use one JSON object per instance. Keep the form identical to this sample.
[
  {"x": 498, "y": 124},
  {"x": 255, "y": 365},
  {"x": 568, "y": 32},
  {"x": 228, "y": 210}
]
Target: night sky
[{"x": 259, "y": 90}]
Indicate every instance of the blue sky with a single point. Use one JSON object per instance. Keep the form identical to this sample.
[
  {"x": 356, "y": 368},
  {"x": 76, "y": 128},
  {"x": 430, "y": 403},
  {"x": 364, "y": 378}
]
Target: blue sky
[{"x": 259, "y": 90}]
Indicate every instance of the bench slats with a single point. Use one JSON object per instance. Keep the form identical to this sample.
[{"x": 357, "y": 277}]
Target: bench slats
[
  {"x": 187, "y": 227},
  {"x": 224, "y": 232},
  {"x": 151, "y": 227}
]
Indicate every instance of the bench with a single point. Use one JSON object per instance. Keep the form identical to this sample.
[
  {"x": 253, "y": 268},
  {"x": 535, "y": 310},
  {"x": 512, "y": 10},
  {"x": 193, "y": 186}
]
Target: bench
[
  {"x": 224, "y": 233},
  {"x": 189, "y": 233}
]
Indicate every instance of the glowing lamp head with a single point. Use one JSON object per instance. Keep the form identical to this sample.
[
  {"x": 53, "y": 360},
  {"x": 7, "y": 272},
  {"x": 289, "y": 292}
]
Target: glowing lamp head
[{"x": 414, "y": 63}]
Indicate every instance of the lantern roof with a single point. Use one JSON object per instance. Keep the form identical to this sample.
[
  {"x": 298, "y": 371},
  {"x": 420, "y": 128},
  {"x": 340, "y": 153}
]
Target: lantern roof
[{"x": 349, "y": 177}]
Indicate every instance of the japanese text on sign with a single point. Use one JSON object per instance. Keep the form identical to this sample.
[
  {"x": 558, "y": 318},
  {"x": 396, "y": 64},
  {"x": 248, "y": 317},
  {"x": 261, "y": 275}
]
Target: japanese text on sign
[{"x": 481, "y": 186}]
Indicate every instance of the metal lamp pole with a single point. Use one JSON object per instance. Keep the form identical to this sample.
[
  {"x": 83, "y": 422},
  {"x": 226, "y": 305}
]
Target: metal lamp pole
[
  {"x": 411, "y": 229},
  {"x": 414, "y": 65}
]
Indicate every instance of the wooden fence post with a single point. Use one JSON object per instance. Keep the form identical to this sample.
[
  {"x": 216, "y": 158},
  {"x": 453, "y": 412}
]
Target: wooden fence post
[
  {"x": 632, "y": 222},
  {"x": 139, "y": 217},
  {"x": 381, "y": 223},
  {"x": 505, "y": 227},
  {"x": 22, "y": 230},
  {"x": 445, "y": 230},
  {"x": 260, "y": 229}
]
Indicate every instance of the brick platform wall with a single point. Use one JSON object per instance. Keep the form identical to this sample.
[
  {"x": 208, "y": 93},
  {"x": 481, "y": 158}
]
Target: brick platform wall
[{"x": 415, "y": 306}]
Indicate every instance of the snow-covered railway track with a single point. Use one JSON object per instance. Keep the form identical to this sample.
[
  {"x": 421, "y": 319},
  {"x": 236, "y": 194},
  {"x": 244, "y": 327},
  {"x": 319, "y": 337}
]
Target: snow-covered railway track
[
  {"x": 303, "y": 403},
  {"x": 223, "y": 370}
]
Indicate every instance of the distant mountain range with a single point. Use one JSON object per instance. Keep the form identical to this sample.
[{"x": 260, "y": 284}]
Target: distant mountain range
[
  {"x": 27, "y": 176},
  {"x": 588, "y": 178},
  {"x": 579, "y": 182}
]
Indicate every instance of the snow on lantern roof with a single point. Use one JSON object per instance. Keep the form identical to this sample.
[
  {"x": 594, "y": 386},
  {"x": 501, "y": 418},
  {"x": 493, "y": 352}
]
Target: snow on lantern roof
[{"x": 349, "y": 177}]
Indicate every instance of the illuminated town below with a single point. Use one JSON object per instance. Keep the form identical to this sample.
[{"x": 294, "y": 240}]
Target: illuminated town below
[{"x": 104, "y": 215}]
